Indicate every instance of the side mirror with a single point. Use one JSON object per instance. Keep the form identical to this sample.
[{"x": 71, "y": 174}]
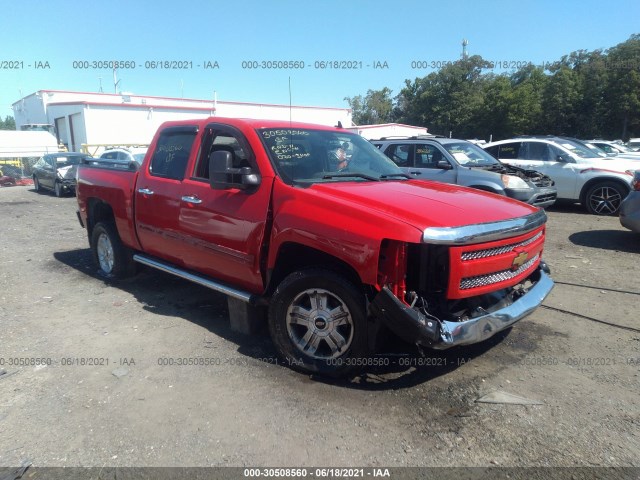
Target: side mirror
[
  {"x": 444, "y": 165},
  {"x": 222, "y": 174}
]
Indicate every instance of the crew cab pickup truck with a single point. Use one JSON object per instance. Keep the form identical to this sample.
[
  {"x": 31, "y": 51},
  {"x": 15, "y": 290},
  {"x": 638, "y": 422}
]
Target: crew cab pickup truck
[{"x": 336, "y": 249}]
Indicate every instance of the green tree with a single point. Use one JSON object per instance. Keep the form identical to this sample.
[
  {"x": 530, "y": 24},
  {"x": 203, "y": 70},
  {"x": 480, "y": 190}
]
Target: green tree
[
  {"x": 375, "y": 107},
  {"x": 8, "y": 123}
]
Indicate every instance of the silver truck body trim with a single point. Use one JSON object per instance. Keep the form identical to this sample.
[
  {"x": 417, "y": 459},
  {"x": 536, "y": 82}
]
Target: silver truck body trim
[
  {"x": 481, "y": 328},
  {"x": 205, "y": 282},
  {"x": 484, "y": 232}
]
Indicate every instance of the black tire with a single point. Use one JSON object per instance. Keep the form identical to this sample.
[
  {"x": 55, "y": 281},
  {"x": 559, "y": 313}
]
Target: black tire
[
  {"x": 329, "y": 335},
  {"x": 58, "y": 189},
  {"x": 36, "y": 184},
  {"x": 605, "y": 198},
  {"x": 113, "y": 259}
]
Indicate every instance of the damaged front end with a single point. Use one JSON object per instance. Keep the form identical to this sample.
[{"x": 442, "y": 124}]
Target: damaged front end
[{"x": 463, "y": 284}]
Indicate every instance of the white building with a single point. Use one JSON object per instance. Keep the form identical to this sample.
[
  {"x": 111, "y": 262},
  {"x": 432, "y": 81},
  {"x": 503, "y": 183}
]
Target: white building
[
  {"x": 119, "y": 119},
  {"x": 374, "y": 132}
]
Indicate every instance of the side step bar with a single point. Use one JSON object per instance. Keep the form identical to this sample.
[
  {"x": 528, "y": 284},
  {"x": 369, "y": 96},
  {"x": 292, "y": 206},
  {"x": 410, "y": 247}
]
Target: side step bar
[{"x": 200, "y": 280}]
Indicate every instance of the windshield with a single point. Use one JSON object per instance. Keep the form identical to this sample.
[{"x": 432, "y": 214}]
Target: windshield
[
  {"x": 578, "y": 150},
  {"x": 468, "y": 154},
  {"x": 313, "y": 156},
  {"x": 66, "y": 160}
]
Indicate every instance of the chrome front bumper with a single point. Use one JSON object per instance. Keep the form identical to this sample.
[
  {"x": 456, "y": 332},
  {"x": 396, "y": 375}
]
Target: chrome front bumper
[
  {"x": 480, "y": 328},
  {"x": 415, "y": 328}
]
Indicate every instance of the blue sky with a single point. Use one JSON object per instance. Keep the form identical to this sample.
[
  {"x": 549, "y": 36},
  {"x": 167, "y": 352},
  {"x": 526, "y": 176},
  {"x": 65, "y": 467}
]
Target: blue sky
[{"x": 363, "y": 32}]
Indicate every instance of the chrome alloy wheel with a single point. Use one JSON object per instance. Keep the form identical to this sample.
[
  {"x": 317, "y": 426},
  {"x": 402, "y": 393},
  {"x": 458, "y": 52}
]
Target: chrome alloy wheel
[
  {"x": 104, "y": 249},
  {"x": 320, "y": 324},
  {"x": 605, "y": 200}
]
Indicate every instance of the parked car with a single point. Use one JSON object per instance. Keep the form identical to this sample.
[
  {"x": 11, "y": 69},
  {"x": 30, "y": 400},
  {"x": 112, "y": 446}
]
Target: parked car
[
  {"x": 614, "y": 148},
  {"x": 57, "y": 172},
  {"x": 630, "y": 207},
  {"x": 133, "y": 154},
  {"x": 8, "y": 175},
  {"x": 598, "y": 183},
  {"x": 314, "y": 231},
  {"x": 462, "y": 162},
  {"x": 634, "y": 144}
]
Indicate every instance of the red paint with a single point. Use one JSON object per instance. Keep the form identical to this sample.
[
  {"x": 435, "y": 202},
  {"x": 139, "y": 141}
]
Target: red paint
[{"x": 236, "y": 236}]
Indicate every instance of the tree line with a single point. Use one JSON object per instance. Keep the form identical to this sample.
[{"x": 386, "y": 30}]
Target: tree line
[
  {"x": 8, "y": 123},
  {"x": 586, "y": 94}
]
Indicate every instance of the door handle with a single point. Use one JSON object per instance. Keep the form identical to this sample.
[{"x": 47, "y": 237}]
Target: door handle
[
  {"x": 415, "y": 173},
  {"x": 145, "y": 191},
  {"x": 191, "y": 199}
]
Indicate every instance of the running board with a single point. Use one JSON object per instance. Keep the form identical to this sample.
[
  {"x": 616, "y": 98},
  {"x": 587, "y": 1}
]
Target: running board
[{"x": 205, "y": 282}]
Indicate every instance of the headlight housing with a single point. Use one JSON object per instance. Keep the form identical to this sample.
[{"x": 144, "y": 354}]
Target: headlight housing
[{"x": 511, "y": 181}]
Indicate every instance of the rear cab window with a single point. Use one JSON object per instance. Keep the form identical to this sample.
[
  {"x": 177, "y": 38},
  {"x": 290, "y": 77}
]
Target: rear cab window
[{"x": 172, "y": 152}]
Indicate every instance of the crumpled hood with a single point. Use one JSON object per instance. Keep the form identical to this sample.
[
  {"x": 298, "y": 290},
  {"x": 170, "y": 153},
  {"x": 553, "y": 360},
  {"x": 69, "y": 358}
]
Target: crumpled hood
[
  {"x": 68, "y": 172},
  {"x": 423, "y": 204}
]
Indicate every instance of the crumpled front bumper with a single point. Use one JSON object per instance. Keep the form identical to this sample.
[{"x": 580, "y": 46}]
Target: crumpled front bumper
[{"x": 413, "y": 327}]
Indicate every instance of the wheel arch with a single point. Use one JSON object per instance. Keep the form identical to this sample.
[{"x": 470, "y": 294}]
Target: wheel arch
[
  {"x": 594, "y": 181},
  {"x": 98, "y": 211},
  {"x": 295, "y": 256}
]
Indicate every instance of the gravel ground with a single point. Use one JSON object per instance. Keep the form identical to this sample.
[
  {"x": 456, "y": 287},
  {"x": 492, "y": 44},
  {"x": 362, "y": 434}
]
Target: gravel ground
[{"x": 106, "y": 395}]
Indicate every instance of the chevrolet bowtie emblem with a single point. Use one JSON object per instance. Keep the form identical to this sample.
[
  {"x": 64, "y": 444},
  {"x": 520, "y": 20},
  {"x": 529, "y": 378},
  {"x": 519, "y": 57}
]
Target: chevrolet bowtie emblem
[{"x": 519, "y": 261}]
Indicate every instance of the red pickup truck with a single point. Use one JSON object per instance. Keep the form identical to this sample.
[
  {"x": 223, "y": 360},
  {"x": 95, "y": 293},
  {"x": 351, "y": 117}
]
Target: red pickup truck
[{"x": 318, "y": 229}]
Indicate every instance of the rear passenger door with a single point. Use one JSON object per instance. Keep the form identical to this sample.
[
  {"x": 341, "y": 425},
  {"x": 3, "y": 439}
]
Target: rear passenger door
[{"x": 158, "y": 194}]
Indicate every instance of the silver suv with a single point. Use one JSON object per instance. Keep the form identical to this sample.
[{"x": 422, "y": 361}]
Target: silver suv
[
  {"x": 463, "y": 163},
  {"x": 599, "y": 183}
]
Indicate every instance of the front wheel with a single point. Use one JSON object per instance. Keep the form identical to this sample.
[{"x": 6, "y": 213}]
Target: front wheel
[
  {"x": 605, "y": 198},
  {"x": 113, "y": 259},
  {"x": 57, "y": 189},
  {"x": 317, "y": 320}
]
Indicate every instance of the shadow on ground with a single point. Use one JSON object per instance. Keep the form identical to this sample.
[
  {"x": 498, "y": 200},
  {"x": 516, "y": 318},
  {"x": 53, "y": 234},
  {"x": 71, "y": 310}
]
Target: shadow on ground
[
  {"x": 398, "y": 365},
  {"x": 617, "y": 240}
]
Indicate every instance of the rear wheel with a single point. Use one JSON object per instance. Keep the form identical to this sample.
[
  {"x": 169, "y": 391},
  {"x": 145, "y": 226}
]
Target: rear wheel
[
  {"x": 604, "y": 198},
  {"x": 317, "y": 320},
  {"x": 36, "y": 184},
  {"x": 113, "y": 259}
]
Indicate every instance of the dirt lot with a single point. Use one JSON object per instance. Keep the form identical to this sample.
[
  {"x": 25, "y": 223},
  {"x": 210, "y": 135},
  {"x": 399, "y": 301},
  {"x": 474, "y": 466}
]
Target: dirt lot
[{"x": 107, "y": 395}]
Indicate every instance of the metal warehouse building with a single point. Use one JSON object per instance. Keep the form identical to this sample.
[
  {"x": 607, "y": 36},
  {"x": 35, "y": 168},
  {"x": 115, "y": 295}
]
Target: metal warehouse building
[{"x": 118, "y": 119}]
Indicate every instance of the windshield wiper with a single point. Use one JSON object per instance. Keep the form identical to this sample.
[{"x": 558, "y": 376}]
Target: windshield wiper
[
  {"x": 394, "y": 175},
  {"x": 353, "y": 174}
]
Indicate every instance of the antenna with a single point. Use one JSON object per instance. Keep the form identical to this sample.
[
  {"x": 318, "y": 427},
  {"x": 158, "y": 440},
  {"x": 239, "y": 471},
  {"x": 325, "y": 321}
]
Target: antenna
[
  {"x": 290, "y": 107},
  {"x": 465, "y": 42},
  {"x": 115, "y": 79}
]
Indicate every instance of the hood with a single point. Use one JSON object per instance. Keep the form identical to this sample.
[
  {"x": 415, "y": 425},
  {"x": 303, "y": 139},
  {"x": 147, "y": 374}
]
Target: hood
[
  {"x": 612, "y": 164},
  {"x": 533, "y": 176},
  {"x": 422, "y": 204},
  {"x": 68, "y": 172}
]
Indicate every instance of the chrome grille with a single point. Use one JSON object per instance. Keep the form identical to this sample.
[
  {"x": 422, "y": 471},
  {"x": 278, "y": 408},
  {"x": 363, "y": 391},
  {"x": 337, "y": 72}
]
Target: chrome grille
[
  {"x": 491, "y": 278},
  {"x": 492, "y": 252}
]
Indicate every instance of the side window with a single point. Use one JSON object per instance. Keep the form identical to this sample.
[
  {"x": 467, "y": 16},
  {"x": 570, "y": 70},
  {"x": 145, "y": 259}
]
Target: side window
[
  {"x": 51, "y": 161},
  {"x": 493, "y": 151},
  {"x": 172, "y": 152},
  {"x": 222, "y": 140},
  {"x": 554, "y": 153},
  {"x": 509, "y": 151},
  {"x": 110, "y": 155},
  {"x": 427, "y": 156},
  {"x": 399, "y": 153},
  {"x": 535, "y": 151}
]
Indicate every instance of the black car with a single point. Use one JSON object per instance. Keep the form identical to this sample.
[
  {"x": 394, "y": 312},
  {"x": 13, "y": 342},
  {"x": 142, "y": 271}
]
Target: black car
[{"x": 57, "y": 172}]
